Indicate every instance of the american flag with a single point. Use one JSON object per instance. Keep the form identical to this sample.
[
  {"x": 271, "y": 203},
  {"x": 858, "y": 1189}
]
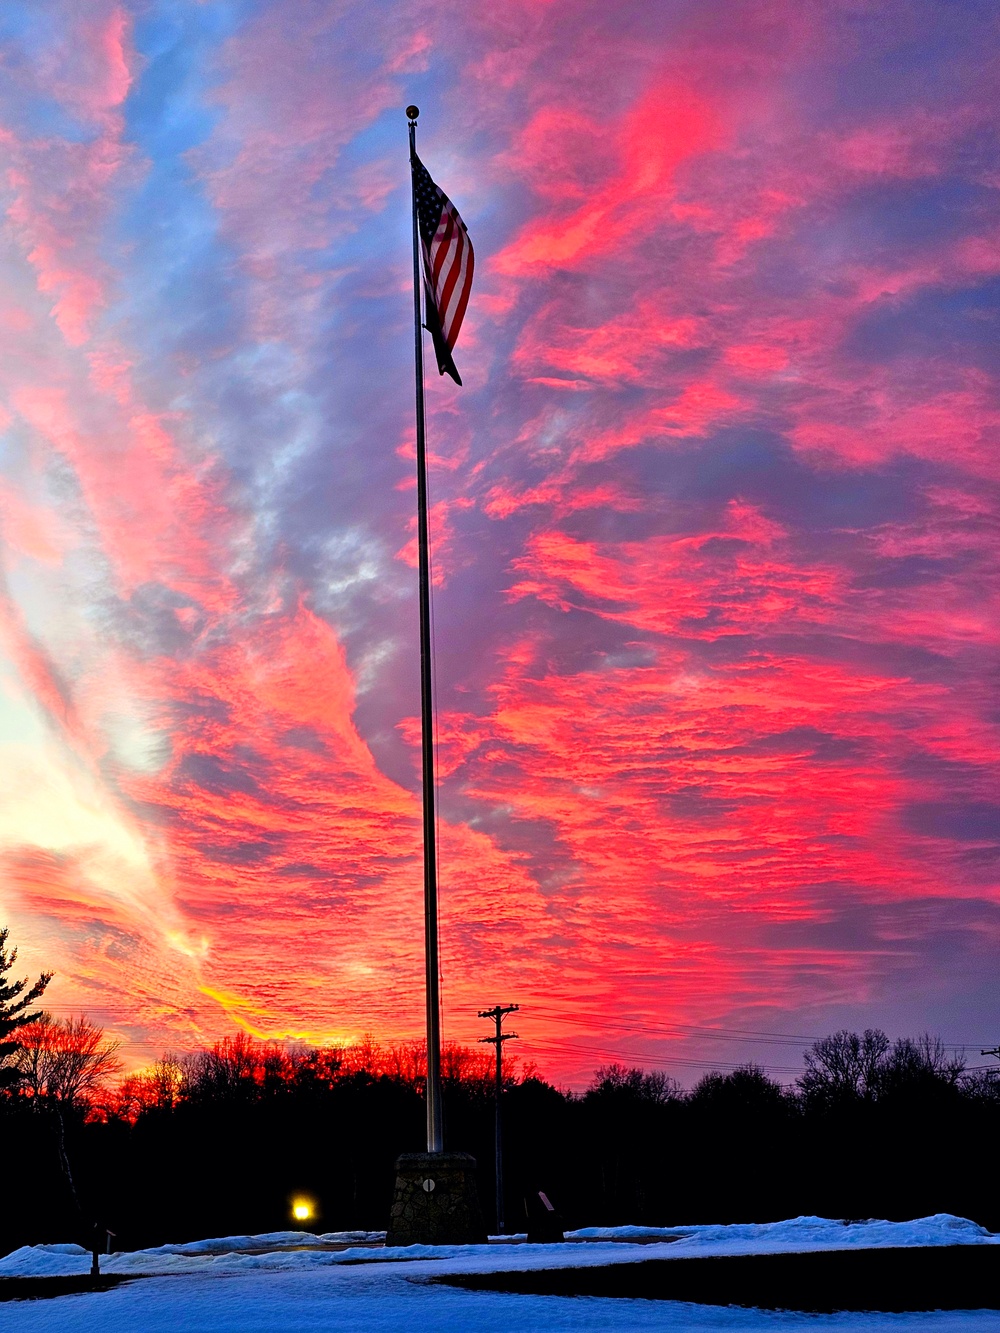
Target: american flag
[{"x": 448, "y": 263}]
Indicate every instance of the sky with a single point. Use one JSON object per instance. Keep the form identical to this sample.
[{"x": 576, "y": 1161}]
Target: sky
[{"x": 714, "y": 520}]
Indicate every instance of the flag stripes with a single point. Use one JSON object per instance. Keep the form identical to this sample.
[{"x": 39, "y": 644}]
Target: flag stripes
[{"x": 448, "y": 263}]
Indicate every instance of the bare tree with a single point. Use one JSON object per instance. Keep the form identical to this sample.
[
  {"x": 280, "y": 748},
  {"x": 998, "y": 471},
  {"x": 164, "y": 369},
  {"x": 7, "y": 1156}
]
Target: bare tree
[
  {"x": 639, "y": 1084},
  {"x": 65, "y": 1064},
  {"x": 63, "y": 1067},
  {"x": 921, "y": 1063},
  {"x": 845, "y": 1067},
  {"x": 237, "y": 1068},
  {"x": 156, "y": 1088},
  {"x": 746, "y": 1090}
]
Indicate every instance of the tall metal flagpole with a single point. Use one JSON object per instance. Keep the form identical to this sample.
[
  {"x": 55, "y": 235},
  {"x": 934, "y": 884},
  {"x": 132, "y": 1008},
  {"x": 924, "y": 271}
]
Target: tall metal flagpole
[{"x": 435, "y": 1136}]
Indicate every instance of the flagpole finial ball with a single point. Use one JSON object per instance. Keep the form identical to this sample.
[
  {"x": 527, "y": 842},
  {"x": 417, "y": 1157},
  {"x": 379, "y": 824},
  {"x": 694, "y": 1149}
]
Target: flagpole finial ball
[{"x": 412, "y": 112}]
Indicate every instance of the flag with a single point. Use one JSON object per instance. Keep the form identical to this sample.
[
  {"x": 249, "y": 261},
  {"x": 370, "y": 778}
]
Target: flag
[{"x": 447, "y": 264}]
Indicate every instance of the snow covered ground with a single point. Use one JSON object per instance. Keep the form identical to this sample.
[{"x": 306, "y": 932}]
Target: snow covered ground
[{"x": 261, "y": 1284}]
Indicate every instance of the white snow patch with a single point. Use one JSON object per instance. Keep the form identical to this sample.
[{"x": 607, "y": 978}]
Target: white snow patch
[
  {"x": 222, "y": 1286},
  {"x": 803, "y": 1233},
  {"x": 282, "y": 1250},
  {"x": 268, "y": 1240}
]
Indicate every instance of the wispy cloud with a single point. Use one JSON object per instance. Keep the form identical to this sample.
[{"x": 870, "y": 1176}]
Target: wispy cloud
[{"x": 715, "y": 516}]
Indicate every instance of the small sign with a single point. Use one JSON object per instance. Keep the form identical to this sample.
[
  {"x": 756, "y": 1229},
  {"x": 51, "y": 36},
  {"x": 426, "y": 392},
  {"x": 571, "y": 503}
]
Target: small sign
[{"x": 428, "y": 1186}]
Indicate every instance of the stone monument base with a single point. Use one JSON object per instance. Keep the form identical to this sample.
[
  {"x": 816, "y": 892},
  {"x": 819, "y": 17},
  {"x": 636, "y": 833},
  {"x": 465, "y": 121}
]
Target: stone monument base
[{"x": 436, "y": 1201}]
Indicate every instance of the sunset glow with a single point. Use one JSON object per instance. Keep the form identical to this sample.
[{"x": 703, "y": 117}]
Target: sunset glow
[{"x": 715, "y": 522}]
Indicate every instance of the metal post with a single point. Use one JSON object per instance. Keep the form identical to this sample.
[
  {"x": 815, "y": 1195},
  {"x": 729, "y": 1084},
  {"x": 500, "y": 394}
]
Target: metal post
[
  {"x": 498, "y": 1013},
  {"x": 435, "y": 1135}
]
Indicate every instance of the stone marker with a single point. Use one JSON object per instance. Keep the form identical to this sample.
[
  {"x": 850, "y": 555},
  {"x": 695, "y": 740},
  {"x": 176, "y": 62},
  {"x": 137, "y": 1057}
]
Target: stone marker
[{"x": 436, "y": 1201}]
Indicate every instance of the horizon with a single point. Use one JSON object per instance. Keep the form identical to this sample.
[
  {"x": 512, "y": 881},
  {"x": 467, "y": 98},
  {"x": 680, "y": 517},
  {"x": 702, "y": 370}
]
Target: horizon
[
  {"x": 406, "y": 1060},
  {"x": 714, "y": 523}
]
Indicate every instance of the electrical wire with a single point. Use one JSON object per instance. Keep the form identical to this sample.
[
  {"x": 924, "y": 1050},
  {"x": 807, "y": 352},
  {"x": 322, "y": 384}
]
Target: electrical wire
[
  {"x": 659, "y": 1062},
  {"x": 600, "y": 1025},
  {"x": 749, "y": 1035}
]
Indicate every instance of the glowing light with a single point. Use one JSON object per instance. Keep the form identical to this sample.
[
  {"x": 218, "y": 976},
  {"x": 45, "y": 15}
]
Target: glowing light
[{"x": 302, "y": 1209}]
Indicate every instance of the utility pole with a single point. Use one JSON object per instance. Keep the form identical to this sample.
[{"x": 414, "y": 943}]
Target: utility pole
[
  {"x": 995, "y": 1051},
  {"x": 498, "y": 1013}
]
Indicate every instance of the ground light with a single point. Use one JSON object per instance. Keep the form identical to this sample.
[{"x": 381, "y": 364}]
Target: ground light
[{"x": 303, "y": 1209}]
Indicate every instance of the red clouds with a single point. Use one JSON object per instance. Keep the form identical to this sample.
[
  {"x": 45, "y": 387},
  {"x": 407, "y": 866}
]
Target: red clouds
[
  {"x": 714, "y": 518},
  {"x": 666, "y": 127}
]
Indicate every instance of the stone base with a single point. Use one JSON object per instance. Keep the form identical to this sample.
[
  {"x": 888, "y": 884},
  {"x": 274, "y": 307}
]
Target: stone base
[{"x": 436, "y": 1201}]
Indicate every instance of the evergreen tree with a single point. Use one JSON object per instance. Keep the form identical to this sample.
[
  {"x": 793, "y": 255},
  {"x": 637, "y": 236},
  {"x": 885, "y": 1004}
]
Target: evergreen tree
[{"x": 15, "y": 1010}]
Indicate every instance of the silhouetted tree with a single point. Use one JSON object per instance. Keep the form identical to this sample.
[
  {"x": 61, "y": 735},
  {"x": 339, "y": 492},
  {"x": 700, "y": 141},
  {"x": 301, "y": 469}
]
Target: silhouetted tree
[
  {"x": 157, "y": 1088},
  {"x": 65, "y": 1064},
  {"x": 845, "y": 1068},
  {"x": 16, "y": 1000},
  {"x": 624, "y": 1084},
  {"x": 63, "y": 1067},
  {"x": 236, "y": 1069},
  {"x": 981, "y": 1086},
  {"x": 747, "y": 1091},
  {"x": 629, "y": 1120},
  {"x": 920, "y": 1067},
  {"x": 217, "y": 1142}
]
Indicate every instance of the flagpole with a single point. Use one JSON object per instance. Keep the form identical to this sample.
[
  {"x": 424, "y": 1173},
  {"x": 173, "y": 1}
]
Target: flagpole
[{"x": 435, "y": 1136}]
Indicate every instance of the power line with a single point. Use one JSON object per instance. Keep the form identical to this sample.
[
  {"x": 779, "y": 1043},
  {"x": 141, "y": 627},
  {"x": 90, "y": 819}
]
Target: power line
[
  {"x": 750, "y": 1035},
  {"x": 680, "y": 1030},
  {"x": 684, "y": 1031},
  {"x": 673, "y": 1029},
  {"x": 602, "y": 1053}
]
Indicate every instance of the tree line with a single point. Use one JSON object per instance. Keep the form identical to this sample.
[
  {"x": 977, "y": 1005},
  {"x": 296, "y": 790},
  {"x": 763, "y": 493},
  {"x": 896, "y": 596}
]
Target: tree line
[{"x": 219, "y": 1141}]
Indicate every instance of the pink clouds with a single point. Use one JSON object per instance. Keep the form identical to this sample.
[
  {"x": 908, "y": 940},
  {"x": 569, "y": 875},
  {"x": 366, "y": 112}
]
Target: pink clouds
[
  {"x": 60, "y": 184},
  {"x": 713, "y": 519},
  {"x": 668, "y": 125},
  {"x": 622, "y": 350},
  {"x": 877, "y": 420},
  {"x": 668, "y": 585}
]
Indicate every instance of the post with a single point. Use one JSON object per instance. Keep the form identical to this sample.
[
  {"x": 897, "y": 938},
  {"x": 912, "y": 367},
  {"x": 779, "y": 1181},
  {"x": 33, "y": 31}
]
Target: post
[
  {"x": 498, "y": 1136},
  {"x": 435, "y": 1135},
  {"x": 435, "y": 1200},
  {"x": 498, "y": 1013}
]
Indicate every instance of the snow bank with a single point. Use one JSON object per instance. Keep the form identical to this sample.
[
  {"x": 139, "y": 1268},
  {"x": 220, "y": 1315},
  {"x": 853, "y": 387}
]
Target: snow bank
[
  {"x": 804, "y": 1233},
  {"x": 268, "y": 1240},
  {"x": 211, "y": 1256},
  {"x": 274, "y": 1251}
]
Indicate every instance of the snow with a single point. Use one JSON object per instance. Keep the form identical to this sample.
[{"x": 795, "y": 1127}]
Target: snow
[
  {"x": 268, "y": 1240},
  {"x": 261, "y": 1284},
  {"x": 804, "y": 1233},
  {"x": 283, "y": 1251}
]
